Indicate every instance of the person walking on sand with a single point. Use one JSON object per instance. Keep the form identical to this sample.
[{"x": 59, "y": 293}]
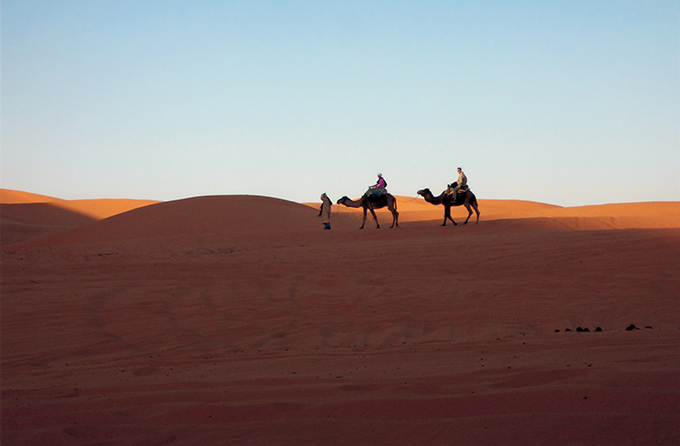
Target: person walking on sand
[{"x": 325, "y": 211}]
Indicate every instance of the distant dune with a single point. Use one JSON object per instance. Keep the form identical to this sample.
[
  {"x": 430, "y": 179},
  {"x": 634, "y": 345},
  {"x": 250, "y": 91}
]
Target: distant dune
[
  {"x": 26, "y": 216},
  {"x": 95, "y": 209}
]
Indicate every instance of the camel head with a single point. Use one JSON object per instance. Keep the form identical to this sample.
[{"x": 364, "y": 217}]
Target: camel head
[
  {"x": 342, "y": 200},
  {"x": 424, "y": 192}
]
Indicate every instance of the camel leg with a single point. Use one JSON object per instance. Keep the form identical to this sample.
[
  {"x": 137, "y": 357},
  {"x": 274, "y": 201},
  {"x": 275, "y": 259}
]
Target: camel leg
[
  {"x": 451, "y": 218},
  {"x": 364, "y": 222},
  {"x": 468, "y": 195},
  {"x": 474, "y": 206},
  {"x": 395, "y": 218},
  {"x": 377, "y": 225},
  {"x": 468, "y": 200},
  {"x": 467, "y": 206},
  {"x": 447, "y": 215}
]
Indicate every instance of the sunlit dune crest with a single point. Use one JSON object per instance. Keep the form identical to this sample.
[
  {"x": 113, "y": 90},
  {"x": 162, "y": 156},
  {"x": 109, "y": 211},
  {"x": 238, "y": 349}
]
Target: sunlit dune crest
[{"x": 9, "y": 196}]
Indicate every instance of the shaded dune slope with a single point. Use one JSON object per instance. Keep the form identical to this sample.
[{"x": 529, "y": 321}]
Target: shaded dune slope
[
  {"x": 42, "y": 214},
  {"x": 194, "y": 216},
  {"x": 24, "y": 221}
]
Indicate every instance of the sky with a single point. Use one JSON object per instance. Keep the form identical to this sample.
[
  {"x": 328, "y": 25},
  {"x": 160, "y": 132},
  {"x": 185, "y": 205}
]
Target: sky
[{"x": 562, "y": 102}]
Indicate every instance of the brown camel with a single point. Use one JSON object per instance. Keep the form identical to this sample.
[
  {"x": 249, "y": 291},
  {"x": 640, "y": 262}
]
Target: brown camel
[
  {"x": 374, "y": 203},
  {"x": 467, "y": 199}
]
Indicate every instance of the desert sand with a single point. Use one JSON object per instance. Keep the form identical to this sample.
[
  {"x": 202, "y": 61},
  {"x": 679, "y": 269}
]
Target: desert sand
[{"x": 229, "y": 320}]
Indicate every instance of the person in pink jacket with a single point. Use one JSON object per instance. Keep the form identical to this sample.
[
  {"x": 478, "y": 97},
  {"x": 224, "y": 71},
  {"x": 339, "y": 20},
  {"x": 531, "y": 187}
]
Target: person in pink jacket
[
  {"x": 381, "y": 183},
  {"x": 378, "y": 188}
]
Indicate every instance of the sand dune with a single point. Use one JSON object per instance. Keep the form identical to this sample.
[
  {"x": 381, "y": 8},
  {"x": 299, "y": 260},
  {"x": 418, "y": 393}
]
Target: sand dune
[
  {"x": 196, "y": 216},
  {"x": 24, "y": 216},
  {"x": 238, "y": 320},
  {"x": 94, "y": 209}
]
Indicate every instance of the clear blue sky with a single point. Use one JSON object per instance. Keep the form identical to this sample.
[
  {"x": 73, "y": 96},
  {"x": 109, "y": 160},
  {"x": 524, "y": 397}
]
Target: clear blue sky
[{"x": 562, "y": 102}]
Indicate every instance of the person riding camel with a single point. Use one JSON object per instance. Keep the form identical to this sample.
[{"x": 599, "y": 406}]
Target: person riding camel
[
  {"x": 378, "y": 188},
  {"x": 461, "y": 183}
]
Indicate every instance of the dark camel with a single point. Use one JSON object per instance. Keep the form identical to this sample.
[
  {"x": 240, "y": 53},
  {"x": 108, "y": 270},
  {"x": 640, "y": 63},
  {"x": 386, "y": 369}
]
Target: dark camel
[
  {"x": 467, "y": 199},
  {"x": 369, "y": 205}
]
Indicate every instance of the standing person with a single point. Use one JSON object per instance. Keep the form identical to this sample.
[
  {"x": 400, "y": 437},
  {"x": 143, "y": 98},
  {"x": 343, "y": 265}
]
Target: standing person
[
  {"x": 325, "y": 211},
  {"x": 462, "y": 182},
  {"x": 378, "y": 188}
]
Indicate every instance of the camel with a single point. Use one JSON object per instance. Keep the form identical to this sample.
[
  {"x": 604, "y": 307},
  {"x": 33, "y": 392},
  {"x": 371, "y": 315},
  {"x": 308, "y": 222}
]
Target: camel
[
  {"x": 382, "y": 201},
  {"x": 467, "y": 199}
]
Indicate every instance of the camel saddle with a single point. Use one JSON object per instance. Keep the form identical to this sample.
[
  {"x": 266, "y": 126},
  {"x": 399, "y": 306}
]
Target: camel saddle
[
  {"x": 462, "y": 190},
  {"x": 380, "y": 200},
  {"x": 453, "y": 185}
]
